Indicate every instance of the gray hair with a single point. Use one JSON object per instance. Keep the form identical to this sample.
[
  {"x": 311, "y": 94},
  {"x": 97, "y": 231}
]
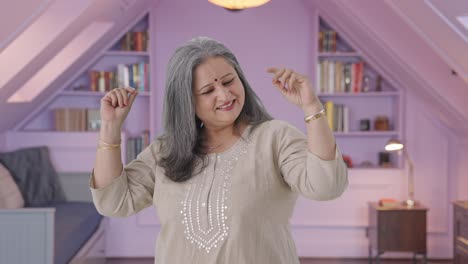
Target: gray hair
[{"x": 181, "y": 142}]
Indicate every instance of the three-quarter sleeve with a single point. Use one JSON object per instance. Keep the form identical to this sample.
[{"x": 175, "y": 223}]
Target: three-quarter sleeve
[
  {"x": 305, "y": 172},
  {"x": 132, "y": 191}
]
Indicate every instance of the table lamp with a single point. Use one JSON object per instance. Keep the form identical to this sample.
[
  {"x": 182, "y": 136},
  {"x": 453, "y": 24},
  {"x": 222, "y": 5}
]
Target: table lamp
[{"x": 396, "y": 145}]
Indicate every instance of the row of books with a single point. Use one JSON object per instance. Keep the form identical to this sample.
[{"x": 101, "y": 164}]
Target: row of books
[
  {"x": 134, "y": 41},
  {"x": 340, "y": 77},
  {"x": 77, "y": 119},
  {"x": 133, "y": 75},
  {"x": 135, "y": 145},
  {"x": 327, "y": 41},
  {"x": 338, "y": 116}
]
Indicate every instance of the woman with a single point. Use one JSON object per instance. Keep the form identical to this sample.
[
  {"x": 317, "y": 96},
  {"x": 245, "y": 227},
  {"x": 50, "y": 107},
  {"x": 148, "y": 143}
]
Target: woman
[{"x": 224, "y": 176}]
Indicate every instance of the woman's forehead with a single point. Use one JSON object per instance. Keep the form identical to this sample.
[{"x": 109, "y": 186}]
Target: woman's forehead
[{"x": 213, "y": 68}]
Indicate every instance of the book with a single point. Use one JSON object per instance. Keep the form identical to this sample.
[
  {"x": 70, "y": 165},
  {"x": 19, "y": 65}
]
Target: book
[{"x": 389, "y": 202}]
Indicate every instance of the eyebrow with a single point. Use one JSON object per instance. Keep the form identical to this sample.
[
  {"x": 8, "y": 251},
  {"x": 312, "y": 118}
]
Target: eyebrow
[{"x": 212, "y": 83}]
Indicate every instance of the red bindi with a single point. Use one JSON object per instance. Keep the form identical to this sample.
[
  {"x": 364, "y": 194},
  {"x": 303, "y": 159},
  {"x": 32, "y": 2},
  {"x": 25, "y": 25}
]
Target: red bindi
[{"x": 216, "y": 80}]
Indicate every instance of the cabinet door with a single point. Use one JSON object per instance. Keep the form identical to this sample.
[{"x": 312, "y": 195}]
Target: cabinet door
[{"x": 402, "y": 231}]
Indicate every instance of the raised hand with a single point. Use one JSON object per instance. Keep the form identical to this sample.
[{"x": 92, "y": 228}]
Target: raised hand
[
  {"x": 116, "y": 104},
  {"x": 295, "y": 87}
]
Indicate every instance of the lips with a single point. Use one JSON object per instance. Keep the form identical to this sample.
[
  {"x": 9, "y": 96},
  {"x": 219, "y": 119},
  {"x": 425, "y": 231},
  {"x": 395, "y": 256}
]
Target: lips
[{"x": 226, "y": 105}]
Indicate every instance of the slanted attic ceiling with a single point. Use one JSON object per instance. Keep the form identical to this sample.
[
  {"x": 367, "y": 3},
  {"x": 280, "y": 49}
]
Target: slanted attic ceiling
[
  {"x": 416, "y": 52},
  {"x": 405, "y": 56},
  {"x": 30, "y": 51}
]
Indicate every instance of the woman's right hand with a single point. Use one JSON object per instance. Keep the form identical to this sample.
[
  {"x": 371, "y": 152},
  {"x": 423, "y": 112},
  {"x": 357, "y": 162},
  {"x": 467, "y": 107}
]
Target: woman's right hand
[{"x": 116, "y": 104}]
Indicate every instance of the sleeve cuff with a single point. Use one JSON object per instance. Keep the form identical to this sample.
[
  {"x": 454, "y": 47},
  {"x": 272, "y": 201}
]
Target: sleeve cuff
[
  {"x": 117, "y": 183},
  {"x": 316, "y": 158}
]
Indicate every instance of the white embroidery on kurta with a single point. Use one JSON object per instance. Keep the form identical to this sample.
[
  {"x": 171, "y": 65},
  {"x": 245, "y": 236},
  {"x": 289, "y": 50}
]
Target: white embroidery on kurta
[{"x": 214, "y": 209}]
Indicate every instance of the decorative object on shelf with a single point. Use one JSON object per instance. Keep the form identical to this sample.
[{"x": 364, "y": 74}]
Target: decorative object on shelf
[
  {"x": 347, "y": 159},
  {"x": 366, "y": 86},
  {"x": 384, "y": 160},
  {"x": 378, "y": 84},
  {"x": 364, "y": 124},
  {"x": 366, "y": 164},
  {"x": 235, "y": 5},
  {"x": 381, "y": 123},
  {"x": 80, "y": 88},
  {"x": 396, "y": 145}
]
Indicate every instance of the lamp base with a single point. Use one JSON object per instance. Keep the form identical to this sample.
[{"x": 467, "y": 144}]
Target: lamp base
[{"x": 410, "y": 203}]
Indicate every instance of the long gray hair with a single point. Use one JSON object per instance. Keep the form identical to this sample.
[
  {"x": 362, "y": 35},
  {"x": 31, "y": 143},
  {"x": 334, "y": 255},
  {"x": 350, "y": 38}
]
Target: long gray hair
[{"x": 182, "y": 141}]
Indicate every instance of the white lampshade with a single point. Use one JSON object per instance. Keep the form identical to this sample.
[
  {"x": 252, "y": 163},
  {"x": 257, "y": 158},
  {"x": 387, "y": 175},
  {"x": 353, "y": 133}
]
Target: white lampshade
[
  {"x": 238, "y": 4},
  {"x": 393, "y": 145}
]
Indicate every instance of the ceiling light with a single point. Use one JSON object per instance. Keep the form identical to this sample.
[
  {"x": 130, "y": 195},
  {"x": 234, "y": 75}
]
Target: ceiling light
[{"x": 238, "y": 4}]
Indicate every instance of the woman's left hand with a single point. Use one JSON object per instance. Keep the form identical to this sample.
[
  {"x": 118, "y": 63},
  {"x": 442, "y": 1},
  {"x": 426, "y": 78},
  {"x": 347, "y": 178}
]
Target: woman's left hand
[{"x": 295, "y": 87}]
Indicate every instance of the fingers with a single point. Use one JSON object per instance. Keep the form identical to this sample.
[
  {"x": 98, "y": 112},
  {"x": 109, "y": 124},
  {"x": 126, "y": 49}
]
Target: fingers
[
  {"x": 132, "y": 97},
  {"x": 281, "y": 77},
  {"x": 119, "y": 97},
  {"x": 272, "y": 70},
  {"x": 276, "y": 73},
  {"x": 291, "y": 80}
]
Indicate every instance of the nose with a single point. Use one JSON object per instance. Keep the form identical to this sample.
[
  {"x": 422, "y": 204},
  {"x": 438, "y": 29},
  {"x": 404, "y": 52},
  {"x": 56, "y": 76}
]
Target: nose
[{"x": 223, "y": 93}]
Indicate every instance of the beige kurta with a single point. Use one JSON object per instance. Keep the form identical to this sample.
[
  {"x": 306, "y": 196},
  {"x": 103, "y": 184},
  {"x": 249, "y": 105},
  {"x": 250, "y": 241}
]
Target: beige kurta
[{"x": 237, "y": 210}]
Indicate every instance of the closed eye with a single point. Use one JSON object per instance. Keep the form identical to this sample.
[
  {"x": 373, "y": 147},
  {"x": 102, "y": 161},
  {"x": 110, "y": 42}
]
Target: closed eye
[
  {"x": 209, "y": 91},
  {"x": 229, "y": 82}
]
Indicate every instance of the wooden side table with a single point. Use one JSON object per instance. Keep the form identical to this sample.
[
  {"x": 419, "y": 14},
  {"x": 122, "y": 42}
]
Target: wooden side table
[
  {"x": 397, "y": 228},
  {"x": 460, "y": 232}
]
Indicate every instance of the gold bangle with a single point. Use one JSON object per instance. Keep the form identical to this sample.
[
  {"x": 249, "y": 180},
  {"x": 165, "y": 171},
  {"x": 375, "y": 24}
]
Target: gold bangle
[
  {"x": 109, "y": 145},
  {"x": 315, "y": 116}
]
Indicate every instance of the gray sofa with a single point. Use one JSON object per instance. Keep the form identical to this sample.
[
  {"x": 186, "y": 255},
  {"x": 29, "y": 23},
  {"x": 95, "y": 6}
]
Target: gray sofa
[{"x": 49, "y": 229}]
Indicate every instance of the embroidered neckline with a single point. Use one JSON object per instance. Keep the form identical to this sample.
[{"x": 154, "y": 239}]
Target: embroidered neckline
[{"x": 209, "y": 235}]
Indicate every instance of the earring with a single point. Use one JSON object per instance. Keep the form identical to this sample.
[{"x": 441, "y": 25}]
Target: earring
[{"x": 201, "y": 125}]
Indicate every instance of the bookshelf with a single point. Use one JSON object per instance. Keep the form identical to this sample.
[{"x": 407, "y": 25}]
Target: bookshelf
[
  {"x": 355, "y": 96},
  {"x": 124, "y": 62}
]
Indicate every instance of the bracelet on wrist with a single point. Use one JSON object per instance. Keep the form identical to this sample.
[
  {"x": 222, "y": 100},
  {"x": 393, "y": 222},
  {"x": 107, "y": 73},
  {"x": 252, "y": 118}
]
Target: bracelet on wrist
[
  {"x": 108, "y": 148},
  {"x": 317, "y": 115},
  {"x": 103, "y": 143}
]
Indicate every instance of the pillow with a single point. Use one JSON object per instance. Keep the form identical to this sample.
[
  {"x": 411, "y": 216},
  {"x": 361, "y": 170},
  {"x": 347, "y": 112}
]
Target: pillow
[
  {"x": 10, "y": 196},
  {"x": 35, "y": 175}
]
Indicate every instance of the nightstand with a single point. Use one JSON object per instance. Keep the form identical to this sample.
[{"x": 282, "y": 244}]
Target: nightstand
[
  {"x": 460, "y": 232},
  {"x": 397, "y": 228}
]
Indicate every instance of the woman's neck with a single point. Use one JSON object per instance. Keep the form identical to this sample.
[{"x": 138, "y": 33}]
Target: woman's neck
[{"x": 219, "y": 139}]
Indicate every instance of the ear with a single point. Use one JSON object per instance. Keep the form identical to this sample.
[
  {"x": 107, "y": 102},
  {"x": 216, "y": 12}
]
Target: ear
[{"x": 198, "y": 122}]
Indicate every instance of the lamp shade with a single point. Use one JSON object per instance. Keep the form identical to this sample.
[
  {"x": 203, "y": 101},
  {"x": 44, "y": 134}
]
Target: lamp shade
[
  {"x": 393, "y": 145},
  {"x": 238, "y": 4}
]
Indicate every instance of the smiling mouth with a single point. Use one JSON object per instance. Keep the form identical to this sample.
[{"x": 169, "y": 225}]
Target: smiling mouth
[{"x": 225, "y": 106}]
